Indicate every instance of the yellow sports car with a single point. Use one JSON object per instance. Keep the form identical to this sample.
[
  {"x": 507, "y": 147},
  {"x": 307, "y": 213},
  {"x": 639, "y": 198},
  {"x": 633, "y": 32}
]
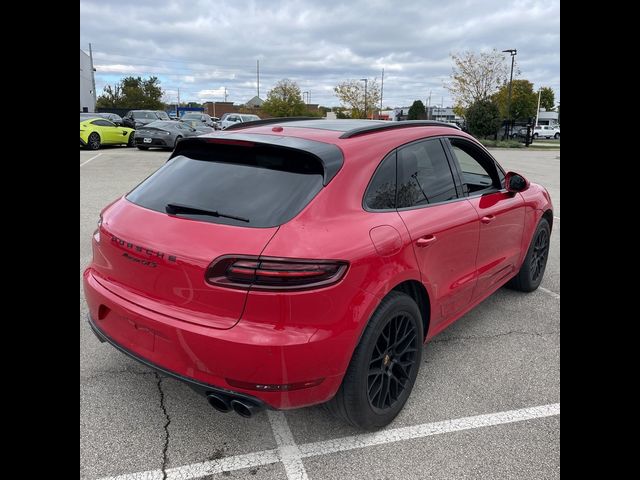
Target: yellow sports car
[{"x": 96, "y": 131}]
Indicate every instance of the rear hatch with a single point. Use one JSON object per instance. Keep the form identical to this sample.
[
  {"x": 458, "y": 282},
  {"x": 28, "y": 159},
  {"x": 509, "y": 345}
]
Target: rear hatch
[{"x": 208, "y": 200}]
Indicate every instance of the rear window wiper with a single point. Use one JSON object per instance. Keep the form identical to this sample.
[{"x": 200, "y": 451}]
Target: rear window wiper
[{"x": 176, "y": 208}]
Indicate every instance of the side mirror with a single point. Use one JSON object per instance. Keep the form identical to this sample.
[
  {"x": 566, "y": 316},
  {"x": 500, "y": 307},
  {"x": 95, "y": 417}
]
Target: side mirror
[{"x": 515, "y": 182}]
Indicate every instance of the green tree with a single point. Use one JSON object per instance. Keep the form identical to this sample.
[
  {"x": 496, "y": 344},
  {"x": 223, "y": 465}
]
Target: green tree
[
  {"x": 483, "y": 118},
  {"x": 417, "y": 111},
  {"x": 351, "y": 95},
  {"x": 133, "y": 92},
  {"x": 547, "y": 99},
  {"x": 284, "y": 100},
  {"x": 523, "y": 100},
  {"x": 110, "y": 98},
  {"x": 476, "y": 76}
]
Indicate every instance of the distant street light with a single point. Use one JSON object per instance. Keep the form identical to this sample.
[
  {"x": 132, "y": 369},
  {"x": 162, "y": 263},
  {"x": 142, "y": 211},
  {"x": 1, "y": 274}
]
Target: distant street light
[
  {"x": 513, "y": 53},
  {"x": 303, "y": 93},
  {"x": 365, "y": 96}
]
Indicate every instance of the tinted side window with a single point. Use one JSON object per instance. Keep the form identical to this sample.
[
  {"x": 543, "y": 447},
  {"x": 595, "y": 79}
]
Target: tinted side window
[
  {"x": 424, "y": 175},
  {"x": 478, "y": 170},
  {"x": 103, "y": 123},
  {"x": 381, "y": 193}
]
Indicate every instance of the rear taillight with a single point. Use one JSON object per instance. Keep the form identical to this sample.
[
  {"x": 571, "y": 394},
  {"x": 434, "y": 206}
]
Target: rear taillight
[{"x": 267, "y": 273}]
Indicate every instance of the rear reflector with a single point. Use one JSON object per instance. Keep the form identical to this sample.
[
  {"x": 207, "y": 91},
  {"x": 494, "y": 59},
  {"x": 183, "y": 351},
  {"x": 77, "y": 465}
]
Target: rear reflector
[
  {"x": 274, "y": 273},
  {"x": 287, "y": 387}
]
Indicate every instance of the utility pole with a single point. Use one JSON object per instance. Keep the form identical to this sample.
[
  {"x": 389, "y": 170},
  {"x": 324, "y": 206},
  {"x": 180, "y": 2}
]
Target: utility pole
[
  {"x": 178, "y": 96},
  {"x": 93, "y": 78},
  {"x": 258, "y": 71},
  {"x": 513, "y": 53},
  {"x": 365, "y": 96},
  {"x": 225, "y": 94},
  {"x": 538, "y": 110},
  {"x": 429, "y": 107},
  {"x": 381, "y": 92}
]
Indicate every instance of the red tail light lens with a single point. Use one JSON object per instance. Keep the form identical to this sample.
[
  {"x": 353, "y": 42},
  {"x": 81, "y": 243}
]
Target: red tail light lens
[{"x": 274, "y": 273}]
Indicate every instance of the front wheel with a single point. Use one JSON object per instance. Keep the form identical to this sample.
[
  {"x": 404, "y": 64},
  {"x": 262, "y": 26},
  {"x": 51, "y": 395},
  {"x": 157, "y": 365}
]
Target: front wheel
[
  {"x": 384, "y": 365},
  {"x": 131, "y": 142},
  {"x": 178, "y": 138},
  {"x": 142, "y": 148},
  {"x": 556, "y": 136},
  {"x": 532, "y": 270},
  {"x": 93, "y": 141}
]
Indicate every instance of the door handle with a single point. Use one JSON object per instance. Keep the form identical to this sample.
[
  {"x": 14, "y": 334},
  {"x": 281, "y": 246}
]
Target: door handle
[
  {"x": 488, "y": 218},
  {"x": 425, "y": 241}
]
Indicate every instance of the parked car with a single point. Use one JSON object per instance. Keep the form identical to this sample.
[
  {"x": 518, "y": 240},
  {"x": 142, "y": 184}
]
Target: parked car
[
  {"x": 195, "y": 118},
  {"x": 138, "y": 118},
  {"x": 165, "y": 134},
  {"x": 97, "y": 131},
  {"x": 309, "y": 265},
  {"x": 546, "y": 131},
  {"x": 234, "y": 118}
]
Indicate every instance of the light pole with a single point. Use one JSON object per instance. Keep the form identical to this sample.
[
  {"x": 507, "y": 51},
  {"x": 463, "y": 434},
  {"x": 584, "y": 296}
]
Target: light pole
[
  {"x": 513, "y": 53},
  {"x": 307, "y": 93},
  {"x": 365, "y": 96}
]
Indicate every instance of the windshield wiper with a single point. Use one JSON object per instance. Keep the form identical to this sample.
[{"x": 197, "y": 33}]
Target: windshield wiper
[{"x": 176, "y": 208}]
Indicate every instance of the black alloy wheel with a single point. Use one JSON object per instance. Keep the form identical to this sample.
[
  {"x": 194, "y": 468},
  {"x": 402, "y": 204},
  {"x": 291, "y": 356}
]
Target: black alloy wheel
[
  {"x": 391, "y": 363},
  {"x": 539, "y": 256},
  {"x": 94, "y": 141}
]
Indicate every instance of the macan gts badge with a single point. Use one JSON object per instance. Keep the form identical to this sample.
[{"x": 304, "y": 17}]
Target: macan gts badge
[{"x": 284, "y": 263}]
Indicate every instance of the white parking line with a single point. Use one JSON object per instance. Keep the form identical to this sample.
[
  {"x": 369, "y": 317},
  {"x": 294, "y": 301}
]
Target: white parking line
[
  {"x": 287, "y": 449},
  {"x": 549, "y": 292},
  {"x": 92, "y": 158},
  {"x": 288, "y": 452}
]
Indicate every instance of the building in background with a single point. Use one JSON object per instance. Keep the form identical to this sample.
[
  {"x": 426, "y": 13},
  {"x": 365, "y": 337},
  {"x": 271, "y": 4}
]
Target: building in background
[
  {"x": 87, "y": 84},
  {"x": 547, "y": 118}
]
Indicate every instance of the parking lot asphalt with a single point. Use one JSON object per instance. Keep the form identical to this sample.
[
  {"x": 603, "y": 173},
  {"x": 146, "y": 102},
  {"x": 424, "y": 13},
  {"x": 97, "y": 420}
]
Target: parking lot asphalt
[{"x": 501, "y": 357}]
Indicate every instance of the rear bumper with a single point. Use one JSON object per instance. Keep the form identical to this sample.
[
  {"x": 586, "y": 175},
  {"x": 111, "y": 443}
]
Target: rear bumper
[
  {"x": 252, "y": 352},
  {"x": 199, "y": 387}
]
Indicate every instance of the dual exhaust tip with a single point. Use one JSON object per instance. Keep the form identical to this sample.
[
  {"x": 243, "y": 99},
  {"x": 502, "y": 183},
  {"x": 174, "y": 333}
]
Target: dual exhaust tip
[{"x": 223, "y": 404}]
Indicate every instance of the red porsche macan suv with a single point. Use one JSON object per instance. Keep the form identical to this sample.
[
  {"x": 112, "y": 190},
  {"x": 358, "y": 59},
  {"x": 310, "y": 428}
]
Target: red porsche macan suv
[{"x": 289, "y": 262}]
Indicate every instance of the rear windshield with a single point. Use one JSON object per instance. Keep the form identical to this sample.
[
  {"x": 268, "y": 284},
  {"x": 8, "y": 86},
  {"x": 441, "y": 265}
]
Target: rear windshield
[
  {"x": 144, "y": 115},
  {"x": 264, "y": 185}
]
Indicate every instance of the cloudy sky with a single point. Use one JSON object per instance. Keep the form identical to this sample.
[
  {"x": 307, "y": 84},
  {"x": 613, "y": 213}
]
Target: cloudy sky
[{"x": 202, "y": 46}]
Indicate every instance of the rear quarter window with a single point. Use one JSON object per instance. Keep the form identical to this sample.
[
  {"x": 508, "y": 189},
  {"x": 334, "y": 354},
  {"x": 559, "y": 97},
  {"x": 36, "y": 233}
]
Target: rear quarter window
[{"x": 265, "y": 185}]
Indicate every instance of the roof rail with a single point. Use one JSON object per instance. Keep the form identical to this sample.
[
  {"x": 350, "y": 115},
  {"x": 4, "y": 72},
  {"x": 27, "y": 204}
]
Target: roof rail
[
  {"x": 267, "y": 121},
  {"x": 393, "y": 125}
]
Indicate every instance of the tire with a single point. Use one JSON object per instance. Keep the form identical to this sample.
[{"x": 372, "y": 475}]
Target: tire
[
  {"x": 131, "y": 142},
  {"x": 178, "y": 138},
  {"x": 367, "y": 400},
  {"x": 93, "y": 142},
  {"x": 557, "y": 136},
  {"x": 142, "y": 148},
  {"x": 532, "y": 270},
  {"x": 535, "y": 135}
]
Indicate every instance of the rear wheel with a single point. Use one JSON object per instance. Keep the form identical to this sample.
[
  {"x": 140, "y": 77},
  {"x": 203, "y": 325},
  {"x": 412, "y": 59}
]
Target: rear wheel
[
  {"x": 535, "y": 135},
  {"x": 93, "y": 142},
  {"x": 530, "y": 275},
  {"x": 384, "y": 365},
  {"x": 556, "y": 136}
]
